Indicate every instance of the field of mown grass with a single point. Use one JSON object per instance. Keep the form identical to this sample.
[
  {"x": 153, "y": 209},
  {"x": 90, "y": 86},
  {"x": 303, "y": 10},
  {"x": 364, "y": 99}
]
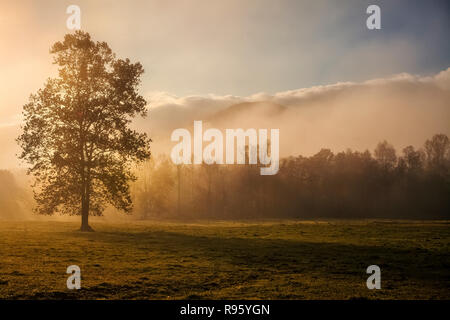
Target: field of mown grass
[{"x": 226, "y": 260}]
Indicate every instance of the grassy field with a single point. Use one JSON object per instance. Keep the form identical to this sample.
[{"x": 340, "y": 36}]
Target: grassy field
[{"x": 226, "y": 260}]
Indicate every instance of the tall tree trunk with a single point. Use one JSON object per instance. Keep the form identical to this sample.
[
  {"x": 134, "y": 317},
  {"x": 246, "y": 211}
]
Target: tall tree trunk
[{"x": 85, "y": 210}]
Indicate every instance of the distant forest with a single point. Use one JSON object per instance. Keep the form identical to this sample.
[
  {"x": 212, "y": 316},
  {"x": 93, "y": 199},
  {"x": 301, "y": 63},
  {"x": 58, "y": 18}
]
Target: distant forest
[
  {"x": 350, "y": 184},
  {"x": 414, "y": 184}
]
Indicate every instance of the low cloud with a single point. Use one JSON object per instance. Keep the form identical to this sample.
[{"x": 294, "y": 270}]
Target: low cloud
[{"x": 404, "y": 109}]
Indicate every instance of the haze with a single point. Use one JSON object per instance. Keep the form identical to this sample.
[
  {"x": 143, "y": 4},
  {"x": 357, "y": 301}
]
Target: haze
[{"x": 317, "y": 60}]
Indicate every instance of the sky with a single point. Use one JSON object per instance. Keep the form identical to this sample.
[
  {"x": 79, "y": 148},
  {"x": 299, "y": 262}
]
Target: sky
[{"x": 240, "y": 49}]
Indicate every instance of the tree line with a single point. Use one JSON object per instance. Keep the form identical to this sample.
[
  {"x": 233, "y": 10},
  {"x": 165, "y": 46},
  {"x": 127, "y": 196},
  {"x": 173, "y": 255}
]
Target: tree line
[{"x": 414, "y": 184}]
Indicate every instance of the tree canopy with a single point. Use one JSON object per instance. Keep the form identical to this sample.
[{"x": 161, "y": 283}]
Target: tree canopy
[{"x": 77, "y": 136}]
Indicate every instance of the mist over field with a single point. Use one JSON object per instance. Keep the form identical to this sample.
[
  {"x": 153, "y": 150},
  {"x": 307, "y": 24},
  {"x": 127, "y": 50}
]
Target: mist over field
[
  {"x": 325, "y": 83},
  {"x": 404, "y": 110}
]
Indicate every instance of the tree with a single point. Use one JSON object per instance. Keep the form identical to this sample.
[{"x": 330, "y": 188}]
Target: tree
[
  {"x": 385, "y": 155},
  {"x": 153, "y": 192},
  {"x": 438, "y": 151},
  {"x": 413, "y": 159},
  {"x": 76, "y": 135}
]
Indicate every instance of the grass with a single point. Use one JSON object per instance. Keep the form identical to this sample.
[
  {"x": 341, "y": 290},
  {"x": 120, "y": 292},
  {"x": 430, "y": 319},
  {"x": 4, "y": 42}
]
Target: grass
[{"x": 226, "y": 260}]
